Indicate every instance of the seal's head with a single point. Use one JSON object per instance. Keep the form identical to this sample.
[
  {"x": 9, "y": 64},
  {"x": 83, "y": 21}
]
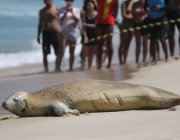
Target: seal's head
[{"x": 16, "y": 103}]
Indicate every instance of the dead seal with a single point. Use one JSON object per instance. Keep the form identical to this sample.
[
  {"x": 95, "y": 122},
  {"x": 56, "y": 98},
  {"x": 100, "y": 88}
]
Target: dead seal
[{"x": 82, "y": 96}]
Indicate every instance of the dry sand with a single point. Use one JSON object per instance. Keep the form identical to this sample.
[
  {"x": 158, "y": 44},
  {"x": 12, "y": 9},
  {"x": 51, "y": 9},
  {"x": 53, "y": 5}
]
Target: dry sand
[{"x": 125, "y": 125}]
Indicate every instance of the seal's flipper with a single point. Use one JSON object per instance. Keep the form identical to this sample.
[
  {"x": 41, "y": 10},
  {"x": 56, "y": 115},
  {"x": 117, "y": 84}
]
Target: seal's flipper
[
  {"x": 61, "y": 109},
  {"x": 74, "y": 112}
]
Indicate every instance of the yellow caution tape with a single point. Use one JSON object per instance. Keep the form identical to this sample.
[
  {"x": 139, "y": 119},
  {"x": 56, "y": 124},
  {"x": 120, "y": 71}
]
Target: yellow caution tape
[{"x": 150, "y": 25}]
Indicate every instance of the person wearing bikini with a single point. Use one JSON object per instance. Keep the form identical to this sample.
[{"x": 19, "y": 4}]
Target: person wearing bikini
[
  {"x": 139, "y": 17},
  {"x": 125, "y": 37},
  {"x": 89, "y": 32}
]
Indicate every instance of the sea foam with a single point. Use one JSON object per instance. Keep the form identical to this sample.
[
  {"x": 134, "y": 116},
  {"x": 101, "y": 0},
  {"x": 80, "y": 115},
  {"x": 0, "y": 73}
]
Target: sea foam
[{"x": 30, "y": 57}]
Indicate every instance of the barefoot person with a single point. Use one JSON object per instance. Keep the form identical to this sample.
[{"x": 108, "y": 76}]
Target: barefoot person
[
  {"x": 107, "y": 13},
  {"x": 49, "y": 24},
  {"x": 89, "y": 27},
  {"x": 69, "y": 17},
  {"x": 157, "y": 32},
  {"x": 172, "y": 9},
  {"x": 139, "y": 16},
  {"x": 125, "y": 37}
]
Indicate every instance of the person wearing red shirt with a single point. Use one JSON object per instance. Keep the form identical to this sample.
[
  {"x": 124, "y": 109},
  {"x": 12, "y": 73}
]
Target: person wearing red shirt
[{"x": 107, "y": 13}]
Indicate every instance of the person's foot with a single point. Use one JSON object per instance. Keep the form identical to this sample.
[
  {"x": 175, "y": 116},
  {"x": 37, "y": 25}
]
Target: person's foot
[
  {"x": 70, "y": 70},
  {"x": 57, "y": 70},
  {"x": 121, "y": 63},
  {"x": 46, "y": 70},
  {"x": 166, "y": 59},
  {"x": 108, "y": 66},
  {"x": 98, "y": 67},
  {"x": 154, "y": 62},
  {"x": 145, "y": 63},
  {"x": 82, "y": 68}
]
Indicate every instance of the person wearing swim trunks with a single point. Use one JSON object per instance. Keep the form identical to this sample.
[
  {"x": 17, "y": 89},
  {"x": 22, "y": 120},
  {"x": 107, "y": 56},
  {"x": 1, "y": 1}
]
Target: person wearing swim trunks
[
  {"x": 157, "y": 32},
  {"x": 89, "y": 32},
  {"x": 173, "y": 13},
  {"x": 107, "y": 13},
  {"x": 69, "y": 17},
  {"x": 139, "y": 16},
  {"x": 172, "y": 9},
  {"x": 125, "y": 35},
  {"x": 48, "y": 22}
]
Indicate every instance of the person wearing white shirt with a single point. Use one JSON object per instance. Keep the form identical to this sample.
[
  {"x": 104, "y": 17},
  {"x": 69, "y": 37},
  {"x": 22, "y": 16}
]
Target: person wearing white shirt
[{"x": 69, "y": 17}]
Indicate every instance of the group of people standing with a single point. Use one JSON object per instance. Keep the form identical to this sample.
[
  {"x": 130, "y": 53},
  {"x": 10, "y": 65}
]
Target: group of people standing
[
  {"x": 150, "y": 19},
  {"x": 61, "y": 27},
  {"x": 95, "y": 22}
]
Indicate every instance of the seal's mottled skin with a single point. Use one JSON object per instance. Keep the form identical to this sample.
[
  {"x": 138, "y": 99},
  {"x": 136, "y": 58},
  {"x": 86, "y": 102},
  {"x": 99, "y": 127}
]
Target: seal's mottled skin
[{"x": 89, "y": 96}]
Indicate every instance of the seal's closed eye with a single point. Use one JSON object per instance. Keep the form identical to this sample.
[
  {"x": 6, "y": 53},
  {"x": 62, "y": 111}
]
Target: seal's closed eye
[{"x": 16, "y": 99}]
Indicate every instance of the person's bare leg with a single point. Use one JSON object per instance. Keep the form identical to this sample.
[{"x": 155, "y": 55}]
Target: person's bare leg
[
  {"x": 90, "y": 56},
  {"x": 104, "y": 53},
  {"x": 71, "y": 51},
  {"x": 60, "y": 52},
  {"x": 100, "y": 32},
  {"x": 95, "y": 52},
  {"x": 45, "y": 62},
  {"x": 179, "y": 44},
  {"x": 164, "y": 46},
  {"x": 109, "y": 30},
  {"x": 128, "y": 41},
  {"x": 158, "y": 50},
  {"x": 153, "y": 50},
  {"x": 145, "y": 46},
  {"x": 138, "y": 44},
  {"x": 123, "y": 37},
  {"x": 171, "y": 44},
  {"x": 84, "y": 55},
  {"x": 150, "y": 49}
]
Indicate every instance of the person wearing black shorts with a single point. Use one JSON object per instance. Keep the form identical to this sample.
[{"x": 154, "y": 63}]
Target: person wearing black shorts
[
  {"x": 172, "y": 9},
  {"x": 173, "y": 13},
  {"x": 158, "y": 31},
  {"x": 49, "y": 24},
  {"x": 50, "y": 38}
]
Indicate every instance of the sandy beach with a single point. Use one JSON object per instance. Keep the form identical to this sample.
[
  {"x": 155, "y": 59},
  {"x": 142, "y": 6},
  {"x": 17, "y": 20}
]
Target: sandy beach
[{"x": 126, "y": 125}]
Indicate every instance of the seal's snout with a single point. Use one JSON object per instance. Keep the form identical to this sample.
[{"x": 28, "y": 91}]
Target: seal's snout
[{"x": 3, "y": 104}]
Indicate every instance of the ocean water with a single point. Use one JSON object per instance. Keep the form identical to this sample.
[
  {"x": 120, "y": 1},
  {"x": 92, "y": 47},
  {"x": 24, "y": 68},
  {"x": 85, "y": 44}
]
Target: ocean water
[{"x": 18, "y": 32}]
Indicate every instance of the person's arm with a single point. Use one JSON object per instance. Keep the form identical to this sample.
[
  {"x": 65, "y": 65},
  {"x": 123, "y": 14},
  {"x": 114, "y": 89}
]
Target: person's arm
[
  {"x": 83, "y": 26},
  {"x": 123, "y": 11},
  {"x": 133, "y": 10},
  {"x": 40, "y": 25},
  {"x": 116, "y": 7},
  {"x": 76, "y": 19},
  {"x": 63, "y": 16},
  {"x": 93, "y": 26},
  {"x": 165, "y": 8},
  {"x": 90, "y": 25},
  {"x": 146, "y": 7}
]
